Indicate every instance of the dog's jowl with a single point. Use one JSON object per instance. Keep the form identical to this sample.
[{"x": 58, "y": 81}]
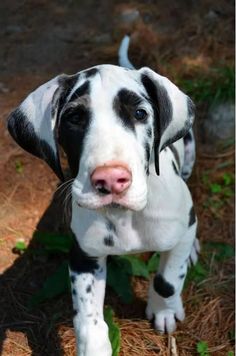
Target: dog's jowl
[{"x": 129, "y": 144}]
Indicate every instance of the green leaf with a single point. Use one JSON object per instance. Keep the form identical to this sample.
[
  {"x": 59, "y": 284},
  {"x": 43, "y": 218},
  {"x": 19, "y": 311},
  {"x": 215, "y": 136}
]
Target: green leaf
[
  {"x": 153, "y": 263},
  {"x": 19, "y": 167},
  {"x": 54, "y": 242},
  {"x": 137, "y": 266},
  {"x": 20, "y": 246},
  {"x": 215, "y": 188},
  {"x": 56, "y": 284},
  {"x": 230, "y": 353},
  {"x": 196, "y": 273},
  {"x": 119, "y": 273},
  {"x": 202, "y": 348},
  {"x": 228, "y": 178},
  {"x": 221, "y": 250},
  {"x": 114, "y": 331}
]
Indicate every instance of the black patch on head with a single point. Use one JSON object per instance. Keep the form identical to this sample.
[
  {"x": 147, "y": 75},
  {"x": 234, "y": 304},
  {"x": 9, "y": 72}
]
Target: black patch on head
[
  {"x": 125, "y": 104},
  {"x": 191, "y": 107},
  {"x": 80, "y": 262},
  {"x": 149, "y": 132},
  {"x": 182, "y": 276},
  {"x": 147, "y": 157},
  {"x": 176, "y": 155},
  {"x": 192, "y": 217},
  {"x": 175, "y": 168},
  {"x": 91, "y": 72},
  {"x": 162, "y": 287},
  {"x": 110, "y": 226},
  {"x": 74, "y": 124},
  {"x": 88, "y": 289},
  {"x": 109, "y": 241},
  {"x": 82, "y": 90},
  {"x": 22, "y": 130}
]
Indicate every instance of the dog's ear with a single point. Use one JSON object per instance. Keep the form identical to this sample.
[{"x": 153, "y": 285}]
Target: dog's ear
[
  {"x": 174, "y": 111},
  {"x": 33, "y": 125}
]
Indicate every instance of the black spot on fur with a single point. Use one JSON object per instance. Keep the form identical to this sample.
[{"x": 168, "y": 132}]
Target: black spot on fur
[
  {"x": 110, "y": 226},
  {"x": 149, "y": 132},
  {"x": 72, "y": 278},
  {"x": 88, "y": 289},
  {"x": 175, "y": 168},
  {"x": 109, "y": 241},
  {"x": 75, "y": 312},
  {"x": 80, "y": 262},
  {"x": 74, "y": 291},
  {"x": 182, "y": 276},
  {"x": 192, "y": 217},
  {"x": 191, "y": 107},
  {"x": 89, "y": 315},
  {"x": 74, "y": 124},
  {"x": 95, "y": 322},
  {"x": 188, "y": 138},
  {"x": 162, "y": 287},
  {"x": 125, "y": 104},
  {"x": 91, "y": 72}
]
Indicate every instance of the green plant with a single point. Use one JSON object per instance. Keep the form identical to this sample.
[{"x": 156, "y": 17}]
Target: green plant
[
  {"x": 114, "y": 331},
  {"x": 202, "y": 348}
]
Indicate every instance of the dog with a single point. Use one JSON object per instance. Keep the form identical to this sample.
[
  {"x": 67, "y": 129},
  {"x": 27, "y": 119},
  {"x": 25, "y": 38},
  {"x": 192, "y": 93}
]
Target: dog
[{"x": 127, "y": 136}]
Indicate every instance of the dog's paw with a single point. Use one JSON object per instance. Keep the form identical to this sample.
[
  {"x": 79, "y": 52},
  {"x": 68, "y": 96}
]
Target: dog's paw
[
  {"x": 94, "y": 340},
  {"x": 164, "y": 320},
  {"x": 193, "y": 257}
]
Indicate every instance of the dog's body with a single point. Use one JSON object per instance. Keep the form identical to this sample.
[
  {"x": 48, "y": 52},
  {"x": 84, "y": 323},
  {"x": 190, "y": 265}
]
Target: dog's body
[{"x": 118, "y": 128}]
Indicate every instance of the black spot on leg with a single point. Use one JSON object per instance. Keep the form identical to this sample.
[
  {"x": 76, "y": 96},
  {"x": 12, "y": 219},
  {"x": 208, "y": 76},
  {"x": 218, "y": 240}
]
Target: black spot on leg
[
  {"x": 182, "y": 276},
  {"x": 74, "y": 291},
  {"x": 162, "y": 287},
  {"x": 95, "y": 322},
  {"x": 75, "y": 312},
  {"x": 192, "y": 217},
  {"x": 88, "y": 289},
  {"x": 109, "y": 241}
]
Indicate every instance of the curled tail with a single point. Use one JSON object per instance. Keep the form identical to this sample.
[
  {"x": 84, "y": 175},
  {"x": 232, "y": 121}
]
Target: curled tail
[
  {"x": 189, "y": 154},
  {"x": 123, "y": 53}
]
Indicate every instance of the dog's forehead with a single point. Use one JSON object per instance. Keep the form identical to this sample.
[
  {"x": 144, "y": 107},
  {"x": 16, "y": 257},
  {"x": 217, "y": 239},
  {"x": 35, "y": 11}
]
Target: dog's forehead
[{"x": 107, "y": 80}]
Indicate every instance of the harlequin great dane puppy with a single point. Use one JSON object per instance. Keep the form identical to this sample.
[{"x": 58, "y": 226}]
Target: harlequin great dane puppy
[{"x": 127, "y": 136}]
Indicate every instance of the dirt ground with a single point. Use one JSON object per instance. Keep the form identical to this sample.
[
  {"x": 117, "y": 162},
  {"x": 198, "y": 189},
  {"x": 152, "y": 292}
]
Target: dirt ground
[{"x": 40, "y": 39}]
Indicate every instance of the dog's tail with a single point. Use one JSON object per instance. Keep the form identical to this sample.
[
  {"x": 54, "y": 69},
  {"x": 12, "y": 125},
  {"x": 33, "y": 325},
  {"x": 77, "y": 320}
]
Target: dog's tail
[{"x": 123, "y": 53}]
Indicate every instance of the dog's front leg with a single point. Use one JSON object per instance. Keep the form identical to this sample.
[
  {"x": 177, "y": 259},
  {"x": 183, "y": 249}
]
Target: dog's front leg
[
  {"x": 88, "y": 279},
  {"x": 165, "y": 302}
]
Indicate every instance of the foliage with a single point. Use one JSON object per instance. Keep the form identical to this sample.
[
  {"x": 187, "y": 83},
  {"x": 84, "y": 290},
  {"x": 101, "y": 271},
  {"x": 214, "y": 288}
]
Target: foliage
[
  {"x": 20, "y": 246},
  {"x": 215, "y": 86},
  {"x": 19, "y": 166},
  {"x": 114, "y": 331},
  {"x": 202, "y": 348}
]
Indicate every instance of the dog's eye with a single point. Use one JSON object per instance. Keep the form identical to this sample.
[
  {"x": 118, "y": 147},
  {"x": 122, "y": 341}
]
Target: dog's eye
[
  {"x": 140, "y": 115},
  {"x": 73, "y": 119}
]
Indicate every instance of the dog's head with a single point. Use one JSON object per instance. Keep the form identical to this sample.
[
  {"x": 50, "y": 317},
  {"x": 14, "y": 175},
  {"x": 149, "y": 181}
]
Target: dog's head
[{"x": 108, "y": 120}]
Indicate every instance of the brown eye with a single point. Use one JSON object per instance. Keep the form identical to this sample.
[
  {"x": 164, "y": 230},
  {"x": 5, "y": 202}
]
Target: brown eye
[{"x": 140, "y": 115}]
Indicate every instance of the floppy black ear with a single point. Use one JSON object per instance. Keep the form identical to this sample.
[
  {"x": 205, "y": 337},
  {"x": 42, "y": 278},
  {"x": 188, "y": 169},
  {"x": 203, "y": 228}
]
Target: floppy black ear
[
  {"x": 174, "y": 111},
  {"x": 33, "y": 125}
]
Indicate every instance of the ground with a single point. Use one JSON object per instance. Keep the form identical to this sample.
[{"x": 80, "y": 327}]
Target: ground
[{"x": 40, "y": 39}]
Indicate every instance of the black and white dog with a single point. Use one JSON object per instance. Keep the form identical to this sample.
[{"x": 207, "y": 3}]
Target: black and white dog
[{"x": 127, "y": 136}]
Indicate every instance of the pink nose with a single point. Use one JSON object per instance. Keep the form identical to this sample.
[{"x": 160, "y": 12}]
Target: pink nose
[{"x": 111, "y": 179}]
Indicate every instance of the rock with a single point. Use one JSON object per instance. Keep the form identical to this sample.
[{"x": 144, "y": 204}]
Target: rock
[{"x": 219, "y": 124}]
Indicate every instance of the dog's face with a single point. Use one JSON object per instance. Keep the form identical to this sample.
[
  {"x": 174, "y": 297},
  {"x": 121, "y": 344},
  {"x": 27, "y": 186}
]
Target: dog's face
[{"x": 107, "y": 119}]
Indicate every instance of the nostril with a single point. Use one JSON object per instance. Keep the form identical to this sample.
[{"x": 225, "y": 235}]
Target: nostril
[
  {"x": 100, "y": 186},
  {"x": 122, "y": 180}
]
